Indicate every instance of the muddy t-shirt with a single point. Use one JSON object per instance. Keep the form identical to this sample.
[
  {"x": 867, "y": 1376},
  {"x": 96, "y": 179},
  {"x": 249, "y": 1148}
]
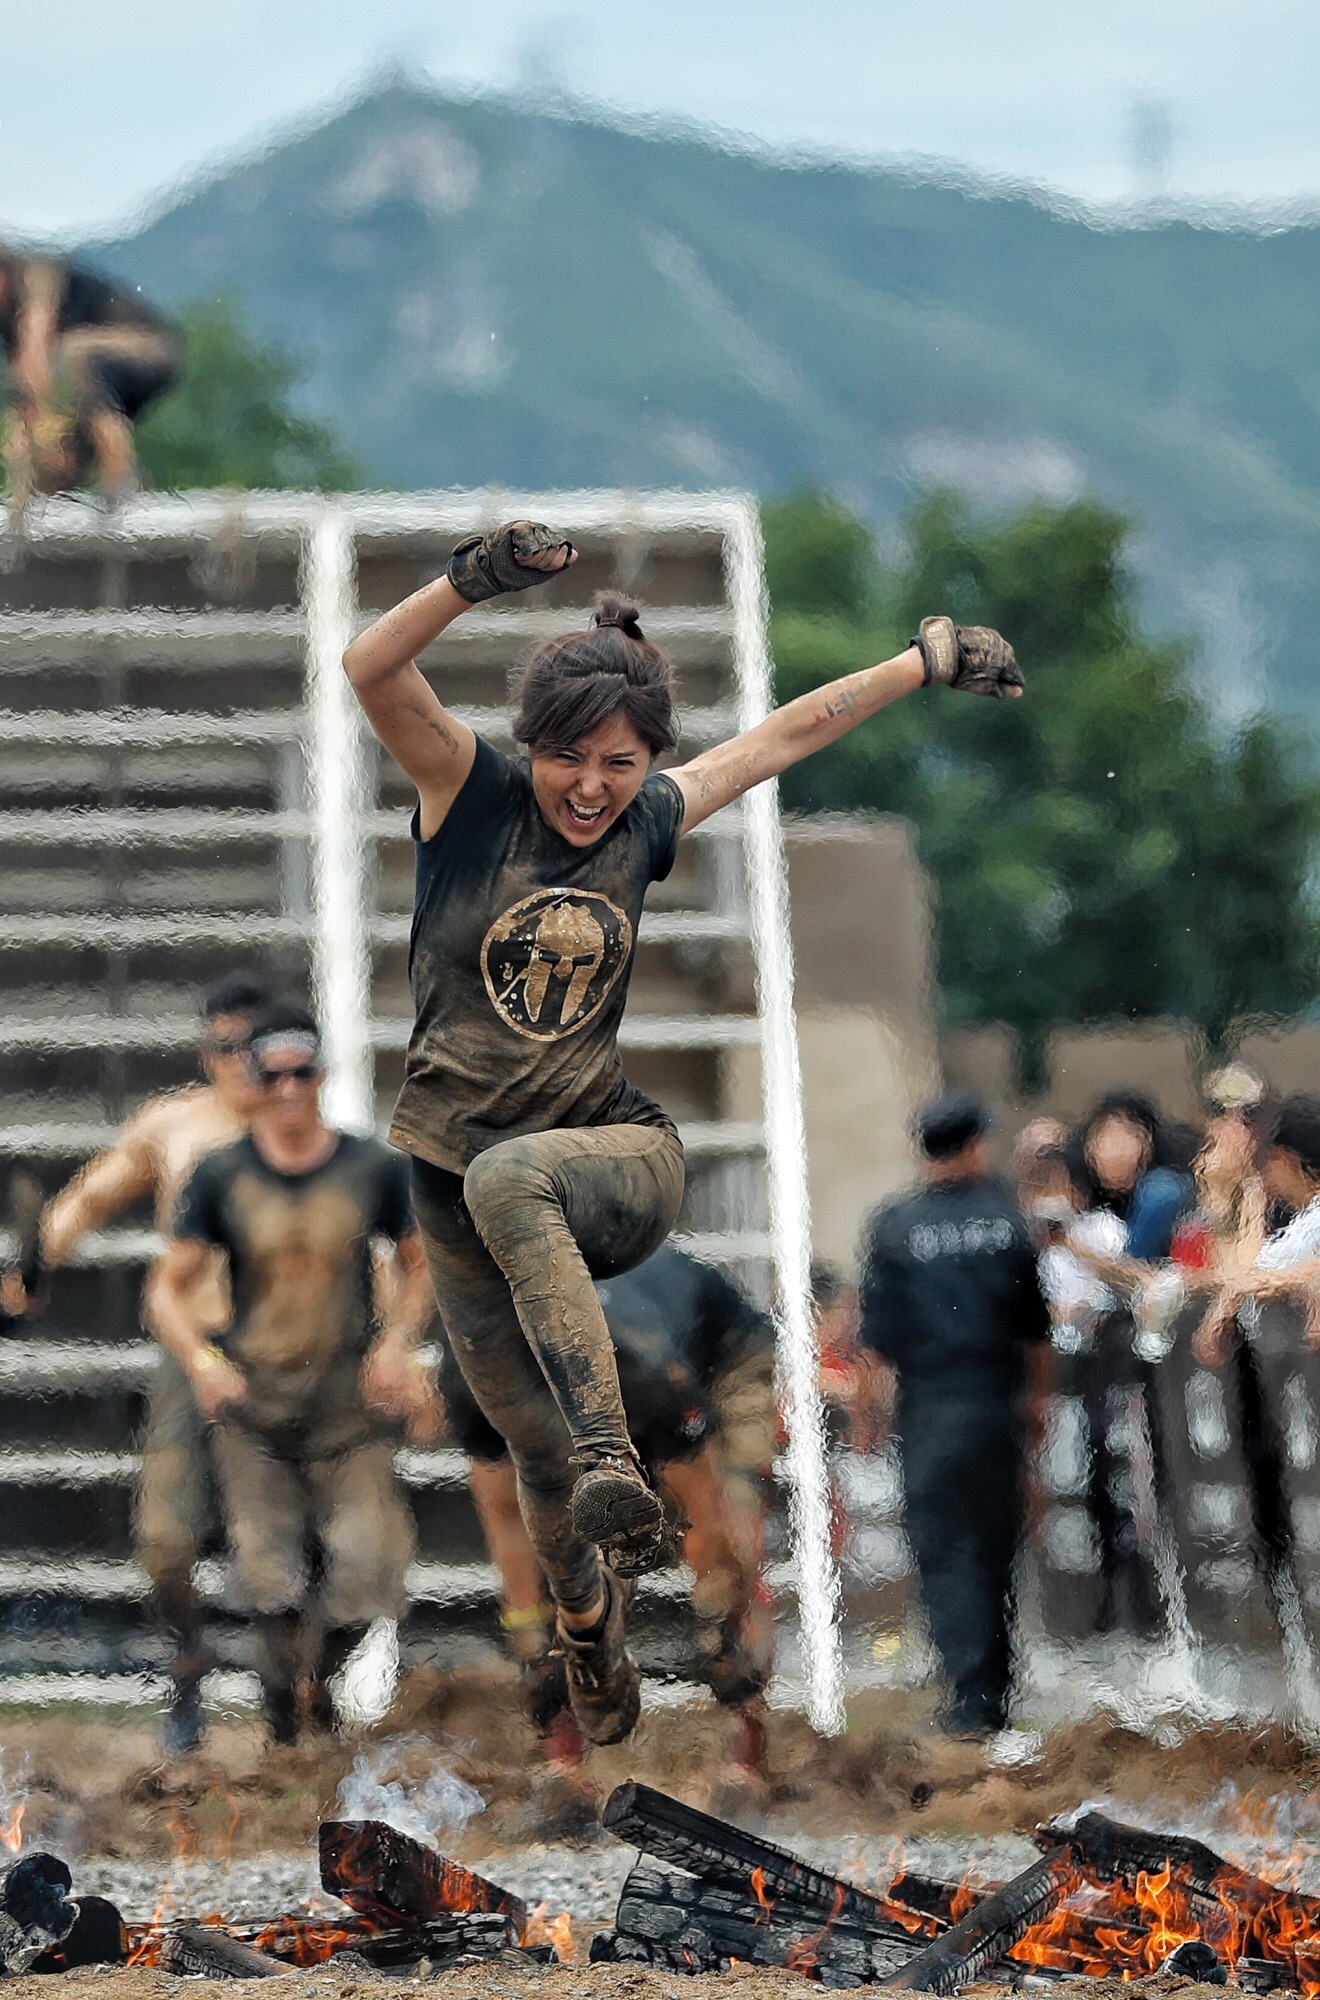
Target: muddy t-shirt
[
  {"x": 299, "y": 1254},
  {"x": 522, "y": 948}
]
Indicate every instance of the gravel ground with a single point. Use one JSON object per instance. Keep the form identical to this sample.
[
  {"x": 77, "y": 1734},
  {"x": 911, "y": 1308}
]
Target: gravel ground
[{"x": 584, "y": 1880}]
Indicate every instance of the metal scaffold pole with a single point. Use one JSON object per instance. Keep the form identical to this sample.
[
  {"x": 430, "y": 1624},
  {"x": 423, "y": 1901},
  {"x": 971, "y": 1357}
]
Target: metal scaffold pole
[
  {"x": 337, "y": 805},
  {"x": 786, "y": 1156}
]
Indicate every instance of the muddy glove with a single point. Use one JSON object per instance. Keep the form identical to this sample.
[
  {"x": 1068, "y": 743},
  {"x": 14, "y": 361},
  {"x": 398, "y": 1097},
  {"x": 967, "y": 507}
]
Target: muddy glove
[
  {"x": 513, "y": 557},
  {"x": 971, "y": 657}
]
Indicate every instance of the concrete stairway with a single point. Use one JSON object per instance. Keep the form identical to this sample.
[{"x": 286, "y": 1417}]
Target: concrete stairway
[{"x": 185, "y": 789}]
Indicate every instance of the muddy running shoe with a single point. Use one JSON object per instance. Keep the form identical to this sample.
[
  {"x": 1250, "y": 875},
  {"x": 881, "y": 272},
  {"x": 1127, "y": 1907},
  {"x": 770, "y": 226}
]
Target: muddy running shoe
[
  {"x": 604, "y": 1683},
  {"x": 613, "y": 1506}
]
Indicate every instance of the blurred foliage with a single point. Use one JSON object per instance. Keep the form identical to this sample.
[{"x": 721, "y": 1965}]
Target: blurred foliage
[
  {"x": 231, "y": 421},
  {"x": 1104, "y": 848}
]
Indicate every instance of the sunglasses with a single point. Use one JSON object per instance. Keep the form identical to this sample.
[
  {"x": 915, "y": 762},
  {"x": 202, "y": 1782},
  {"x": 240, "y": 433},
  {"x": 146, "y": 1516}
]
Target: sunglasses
[
  {"x": 217, "y": 1048},
  {"x": 300, "y": 1073}
]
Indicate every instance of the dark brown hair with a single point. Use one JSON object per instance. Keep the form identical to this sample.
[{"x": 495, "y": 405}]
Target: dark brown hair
[{"x": 574, "y": 684}]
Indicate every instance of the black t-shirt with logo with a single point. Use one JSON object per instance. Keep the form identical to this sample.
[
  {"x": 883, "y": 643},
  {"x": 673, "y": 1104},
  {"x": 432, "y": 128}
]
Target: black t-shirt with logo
[
  {"x": 522, "y": 948},
  {"x": 299, "y": 1251}
]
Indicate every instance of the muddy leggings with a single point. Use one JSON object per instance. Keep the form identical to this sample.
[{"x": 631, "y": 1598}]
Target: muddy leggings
[{"x": 513, "y": 1246}]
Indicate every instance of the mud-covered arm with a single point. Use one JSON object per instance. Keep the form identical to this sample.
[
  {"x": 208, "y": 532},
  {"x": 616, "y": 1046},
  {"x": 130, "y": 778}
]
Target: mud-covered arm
[
  {"x": 431, "y": 745},
  {"x": 972, "y": 658},
  {"x": 788, "y": 734},
  {"x": 172, "y": 1314},
  {"x": 396, "y": 1379}
]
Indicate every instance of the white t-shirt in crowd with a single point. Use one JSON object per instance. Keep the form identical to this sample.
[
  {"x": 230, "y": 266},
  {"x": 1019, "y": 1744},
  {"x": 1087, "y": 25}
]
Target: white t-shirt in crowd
[
  {"x": 1070, "y": 1285},
  {"x": 1295, "y": 1243}
]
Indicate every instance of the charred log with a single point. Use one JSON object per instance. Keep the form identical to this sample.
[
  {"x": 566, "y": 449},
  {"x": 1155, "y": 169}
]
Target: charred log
[
  {"x": 98, "y": 1937},
  {"x": 986, "y": 1932},
  {"x": 615, "y": 1948},
  {"x": 204, "y": 1948},
  {"x": 35, "y": 1911},
  {"x": 386, "y": 1876},
  {"x": 707, "y": 1924},
  {"x": 720, "y": 1853}
]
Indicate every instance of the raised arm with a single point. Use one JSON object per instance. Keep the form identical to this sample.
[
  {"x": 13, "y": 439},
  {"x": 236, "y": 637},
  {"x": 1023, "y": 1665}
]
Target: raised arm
[
  {"x": 972, "y": 658},
  {"x": 432, "y": 746}
]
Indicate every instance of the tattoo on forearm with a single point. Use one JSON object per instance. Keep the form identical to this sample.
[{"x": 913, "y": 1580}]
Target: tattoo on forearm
[{"x": 845, "y": 701}]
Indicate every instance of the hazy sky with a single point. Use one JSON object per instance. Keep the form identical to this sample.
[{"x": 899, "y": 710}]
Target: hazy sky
[{"x": 101, "y": 105}]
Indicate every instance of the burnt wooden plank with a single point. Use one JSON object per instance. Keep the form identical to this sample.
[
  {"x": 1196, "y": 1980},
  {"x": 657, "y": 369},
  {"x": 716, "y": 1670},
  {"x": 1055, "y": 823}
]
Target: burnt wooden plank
[
  {"x": 707, "y": 1922},
  {"x": 207, "y": 1949},
  {"x": 985, "y": 1933},
  {"x": 719, "y": 1852},
  {"x": 382, "y": 1873}
]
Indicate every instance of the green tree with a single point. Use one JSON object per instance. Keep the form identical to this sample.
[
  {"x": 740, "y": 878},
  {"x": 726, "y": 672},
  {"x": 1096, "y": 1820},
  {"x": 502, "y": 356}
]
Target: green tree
[
  {"x": 230, "y": 422},
  {"x": 1103, "y": 848}
]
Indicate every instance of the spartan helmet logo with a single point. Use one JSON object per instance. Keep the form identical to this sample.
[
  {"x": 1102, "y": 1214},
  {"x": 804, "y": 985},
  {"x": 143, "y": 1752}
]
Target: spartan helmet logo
[{"x": 551, "y": 961}]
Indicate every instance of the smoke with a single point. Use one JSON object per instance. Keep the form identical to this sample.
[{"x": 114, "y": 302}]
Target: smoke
[{"x": 398, "y": 1781}]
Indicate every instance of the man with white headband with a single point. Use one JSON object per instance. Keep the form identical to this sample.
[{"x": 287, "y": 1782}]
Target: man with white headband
[{"x": 296, "y": 1387}]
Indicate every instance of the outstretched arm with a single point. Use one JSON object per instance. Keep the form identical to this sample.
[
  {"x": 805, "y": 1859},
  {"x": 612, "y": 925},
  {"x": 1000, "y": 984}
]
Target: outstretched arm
[
  {"x": 968, "y": 657},
  {"x": 432, "y": 746}
]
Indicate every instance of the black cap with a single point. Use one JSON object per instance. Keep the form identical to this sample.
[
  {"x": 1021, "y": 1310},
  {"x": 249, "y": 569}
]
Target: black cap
[{"x": 951, "y": 1122}]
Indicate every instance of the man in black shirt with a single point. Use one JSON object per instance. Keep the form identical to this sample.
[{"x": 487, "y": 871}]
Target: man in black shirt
[
  {"x": 297, "y": 1384},
  {"x": 951, "y": 1300},
  {"x": 85, "y": 361}
]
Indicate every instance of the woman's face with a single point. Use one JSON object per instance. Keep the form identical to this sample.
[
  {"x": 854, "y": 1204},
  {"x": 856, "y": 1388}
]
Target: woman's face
[
  {"x": 581, "y": 791},
  {"x": 1118, "y": 1153}
]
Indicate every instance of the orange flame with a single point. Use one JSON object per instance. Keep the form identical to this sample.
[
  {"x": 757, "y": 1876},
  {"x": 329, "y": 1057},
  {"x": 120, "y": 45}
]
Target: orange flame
[
  {"x": 11, "y": 1828},
  {"x": 759, "y": 1891},
  {"x": 554, "y": 1931}
]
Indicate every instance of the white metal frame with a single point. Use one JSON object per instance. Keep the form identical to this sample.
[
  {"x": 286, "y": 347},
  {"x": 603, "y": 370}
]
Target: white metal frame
[{"x": 327, "y": 534}]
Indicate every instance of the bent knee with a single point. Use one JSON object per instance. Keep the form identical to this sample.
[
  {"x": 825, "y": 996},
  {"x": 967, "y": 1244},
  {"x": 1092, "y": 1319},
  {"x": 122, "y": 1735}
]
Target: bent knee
[{"x": 499, "y": 1182}]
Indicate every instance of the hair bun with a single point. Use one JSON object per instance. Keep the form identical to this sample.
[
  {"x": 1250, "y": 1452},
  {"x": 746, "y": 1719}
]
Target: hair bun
[{"x": 618, "y": 613}]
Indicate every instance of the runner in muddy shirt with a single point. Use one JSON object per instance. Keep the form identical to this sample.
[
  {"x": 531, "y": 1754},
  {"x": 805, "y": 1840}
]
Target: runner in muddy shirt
[
  {"x": 296, "y": 1384},
  {"x": 536, "y": 1167},
  {"x": 298, "y": 1248},
  {"x": 521, "y": 950}
]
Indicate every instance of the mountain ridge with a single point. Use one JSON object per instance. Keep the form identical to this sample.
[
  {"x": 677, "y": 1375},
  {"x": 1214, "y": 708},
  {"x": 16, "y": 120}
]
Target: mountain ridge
[{"x": 489, "y": 291}]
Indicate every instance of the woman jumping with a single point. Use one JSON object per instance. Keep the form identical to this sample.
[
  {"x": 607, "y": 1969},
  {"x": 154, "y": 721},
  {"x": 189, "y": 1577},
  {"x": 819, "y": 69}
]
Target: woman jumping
[{"x": 537, "y": 1166}]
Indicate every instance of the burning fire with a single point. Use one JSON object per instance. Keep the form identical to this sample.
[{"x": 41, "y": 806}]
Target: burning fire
[
  {"x": 11, "y": 1827},
  {"x": 554, "y": 1931},
  {"x": 758, "y": 1890}
]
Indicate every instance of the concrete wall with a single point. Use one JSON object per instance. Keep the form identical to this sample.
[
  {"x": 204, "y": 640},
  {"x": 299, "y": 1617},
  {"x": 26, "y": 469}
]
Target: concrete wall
[
  {"x": 861, "y": 942},
  {"x": 1162, "y": 1058}
]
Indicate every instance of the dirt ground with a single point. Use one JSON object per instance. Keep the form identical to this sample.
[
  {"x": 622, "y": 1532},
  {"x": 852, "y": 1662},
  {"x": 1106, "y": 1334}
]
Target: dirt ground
[
  {"x": 498, "y": 1982},
  {"x": 97, "y": 1787}
]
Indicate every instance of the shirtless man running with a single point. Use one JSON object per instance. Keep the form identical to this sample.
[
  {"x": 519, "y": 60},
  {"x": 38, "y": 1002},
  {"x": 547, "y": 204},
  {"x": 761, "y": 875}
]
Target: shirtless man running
[{"x": 154, "y": 1157}]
